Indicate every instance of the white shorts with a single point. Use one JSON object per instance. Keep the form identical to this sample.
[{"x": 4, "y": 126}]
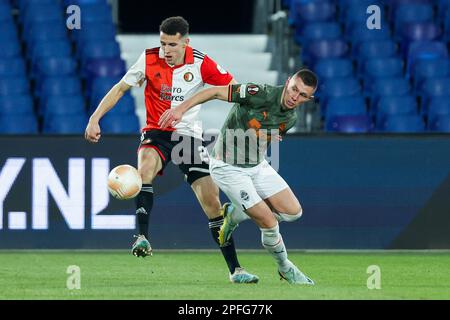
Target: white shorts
[{"x": 246, "y": 187}]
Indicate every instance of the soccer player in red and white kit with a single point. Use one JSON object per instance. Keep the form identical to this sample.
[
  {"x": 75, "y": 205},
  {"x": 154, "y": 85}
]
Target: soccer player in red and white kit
[{"x": 173, "y": 72}]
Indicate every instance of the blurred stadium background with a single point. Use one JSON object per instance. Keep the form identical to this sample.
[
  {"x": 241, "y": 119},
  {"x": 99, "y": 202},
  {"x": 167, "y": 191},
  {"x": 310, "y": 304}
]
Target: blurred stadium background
[{"x": 369, "y": 158}]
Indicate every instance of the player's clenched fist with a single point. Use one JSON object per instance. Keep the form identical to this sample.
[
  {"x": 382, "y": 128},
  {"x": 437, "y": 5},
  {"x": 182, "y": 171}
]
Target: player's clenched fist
[{"x": 92, "y": 133}]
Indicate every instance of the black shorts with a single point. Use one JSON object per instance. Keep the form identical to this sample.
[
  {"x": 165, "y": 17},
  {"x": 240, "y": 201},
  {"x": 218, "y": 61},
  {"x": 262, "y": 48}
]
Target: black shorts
[{"x": 182, "y": 150}]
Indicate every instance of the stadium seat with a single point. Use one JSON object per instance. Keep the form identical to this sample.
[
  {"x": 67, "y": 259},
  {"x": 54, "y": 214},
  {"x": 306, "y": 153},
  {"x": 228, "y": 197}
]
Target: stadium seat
[
  {"x": 338, "y": 87},
  {"x": 105, "y": 67},
  {"x": 10, "y": 49},
  {"x": 94, "y": 31},
  {"x": 96, "y": 50},
  {"x": 437, "y": 107},
  {"x": 313, "y": 11},
  {"x": 12, "y": 67},
  {"x": 412, "y": 12},
  {"x": 360, "y": 33},
  {"x": 44, "y": 32},
  {"x": 98, "y": 12},
  {"x": 321, "y": 49},
  {"x": 382, "y": 68},
  {"x": 389, "y": 87},
  {"x": 404, "y": 124},
  {"x": 62, "y": 105},
  {"x": 14, "y": 86},
  {"x": 345, "y": 106},
  {"x": 375, "y": 49},
  {"x": 394, "y": 105},
  {"x": 9, "y": 31},
  {"x": 440, "y": 124},
  {"x": 434, "y": 68},
  {"x": 349, "y": 124},
  {"x": 119, "y": 124},
  {"x": 334, "y": 68},
  {"x": 55, "y": 86},
  {"x": 419, "y": 31},
  {"x": 16, "y": 104},
  {"x": 435, "y": 87},
  {"x": 49, "y": 49},
  {"x": 425, "y": 50},
  {"x": 18, "y": 124},
  {"x": 317, "y": 31},
  {"x": 56, "y": 66},
  {"x": 62, "y": 124}
]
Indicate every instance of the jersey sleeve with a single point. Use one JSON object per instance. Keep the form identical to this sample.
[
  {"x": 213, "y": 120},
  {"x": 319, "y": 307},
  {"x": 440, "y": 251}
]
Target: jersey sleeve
[
  {"x": 214, "y": 74},
  {"x": 248, "y": 93},
  {"x": 136, "y": 74}
]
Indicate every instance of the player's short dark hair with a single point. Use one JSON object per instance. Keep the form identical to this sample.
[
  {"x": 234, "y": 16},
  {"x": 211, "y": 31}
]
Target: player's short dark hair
[
  {"x": 308, "y": 77},
  {"x": 174, "y": 25}
]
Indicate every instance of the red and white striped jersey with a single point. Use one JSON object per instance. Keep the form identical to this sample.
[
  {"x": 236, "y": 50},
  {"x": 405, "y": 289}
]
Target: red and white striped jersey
[{"x": 168, "y": 86}]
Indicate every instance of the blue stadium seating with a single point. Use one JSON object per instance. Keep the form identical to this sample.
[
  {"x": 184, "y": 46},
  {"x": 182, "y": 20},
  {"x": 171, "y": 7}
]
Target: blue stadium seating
[
  {"x": 116, "y": 124},
  {"x": 12, "y": 67},
  {"x": 94, "y": 31},
  {"x": 394, "y": 105},
  {"x": 62, "y": 105},
  {"x": 106, "y": 67},
  {"x": 62, "y": 124},
  {"x": 56, "y": 66},
  {"x": 338, "y": 87},
  {"x": 440, "y": 124},
  {"x": 437, "y": 107},
  {"x": 18, "y": 124},
  {"x": 49, "y": 49},
  {"x": 349, "y": 124},
  {"x": 10, "y": 49},
  {"x": 404, "y": 124},
  {"x": 345, "y": 106},
  {"x": 16, "y": 105},
  {"x": 54, "y": 86},
  {"x": 14, "y": 86},
  {"x": 333, "y": 68},
  {"x": 389, "y": 87},
  {"x": 412, "y": 12},
  {"x": 123, "y": 107},
  {"x": 374, "y": 49},
  {"x": 419, "y": 50},
  {"x": 383, "y": 68},
  {"x": 100, "y": 86},
  {"x": 313, "y": 11},
  {"x": 321, "y": 49},
  {"x": 433, "y": 68},
  {"x": 435, "y": 87},
  {"x": 99, "y": 49}
]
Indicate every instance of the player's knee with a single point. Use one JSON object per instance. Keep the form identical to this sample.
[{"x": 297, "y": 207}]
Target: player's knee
[
  {"x": 211, "y": 205},
  {"x": 293, "y": 215}
]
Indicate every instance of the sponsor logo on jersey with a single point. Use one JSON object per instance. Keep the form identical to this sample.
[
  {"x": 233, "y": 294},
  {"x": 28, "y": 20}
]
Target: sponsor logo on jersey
[
  {"x": 188, "y": 77},
  {"x": 244, "y": 195},
  {"x": 252, "y": 89}
]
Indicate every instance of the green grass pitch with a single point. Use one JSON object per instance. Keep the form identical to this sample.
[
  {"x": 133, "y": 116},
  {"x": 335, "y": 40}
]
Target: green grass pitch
[{"x": 203, "y": 275}]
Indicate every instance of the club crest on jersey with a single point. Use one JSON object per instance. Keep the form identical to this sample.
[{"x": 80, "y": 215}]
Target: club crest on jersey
[
  {"x": 252, "y": 89},
  {"x": 244, "y": 195},
  {"x": 188, "y": 77}
]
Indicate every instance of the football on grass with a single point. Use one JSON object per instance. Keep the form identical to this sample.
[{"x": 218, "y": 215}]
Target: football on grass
[{"x": 124, "y": 182}]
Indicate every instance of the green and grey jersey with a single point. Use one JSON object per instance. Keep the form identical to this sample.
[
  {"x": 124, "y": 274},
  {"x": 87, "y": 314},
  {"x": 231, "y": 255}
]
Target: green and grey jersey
[{"x": 254, "y": 119}]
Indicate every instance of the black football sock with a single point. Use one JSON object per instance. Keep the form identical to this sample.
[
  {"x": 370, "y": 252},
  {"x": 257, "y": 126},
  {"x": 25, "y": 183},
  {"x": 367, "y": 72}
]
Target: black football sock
[
  {"x": 229, "y": 251},
  {"x": 144, "y": 205}
]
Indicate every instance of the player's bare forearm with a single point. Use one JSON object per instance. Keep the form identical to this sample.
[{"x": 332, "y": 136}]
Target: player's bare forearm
[
  {"x": 173, "y": 116},
  {"x": 219, "y": 93},
  {"x": 109, "y": 101}
]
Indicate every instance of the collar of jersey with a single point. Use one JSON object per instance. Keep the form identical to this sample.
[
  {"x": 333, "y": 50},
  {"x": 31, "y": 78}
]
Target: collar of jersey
[{"x": 188, "y": 57}]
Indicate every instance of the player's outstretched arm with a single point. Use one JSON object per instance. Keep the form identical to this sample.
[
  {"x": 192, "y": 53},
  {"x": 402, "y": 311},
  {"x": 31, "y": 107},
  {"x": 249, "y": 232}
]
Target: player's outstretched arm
[
  {"x": 93, "y": 132},
  {"x": 172, "y": 117}
]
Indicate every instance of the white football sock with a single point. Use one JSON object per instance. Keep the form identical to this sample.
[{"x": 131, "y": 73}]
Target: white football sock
[{"x": 273, "y": 242}]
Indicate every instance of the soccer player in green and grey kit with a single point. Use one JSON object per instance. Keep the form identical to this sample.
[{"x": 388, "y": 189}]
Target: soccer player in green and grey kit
[{"x": 260, "y": 114}]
